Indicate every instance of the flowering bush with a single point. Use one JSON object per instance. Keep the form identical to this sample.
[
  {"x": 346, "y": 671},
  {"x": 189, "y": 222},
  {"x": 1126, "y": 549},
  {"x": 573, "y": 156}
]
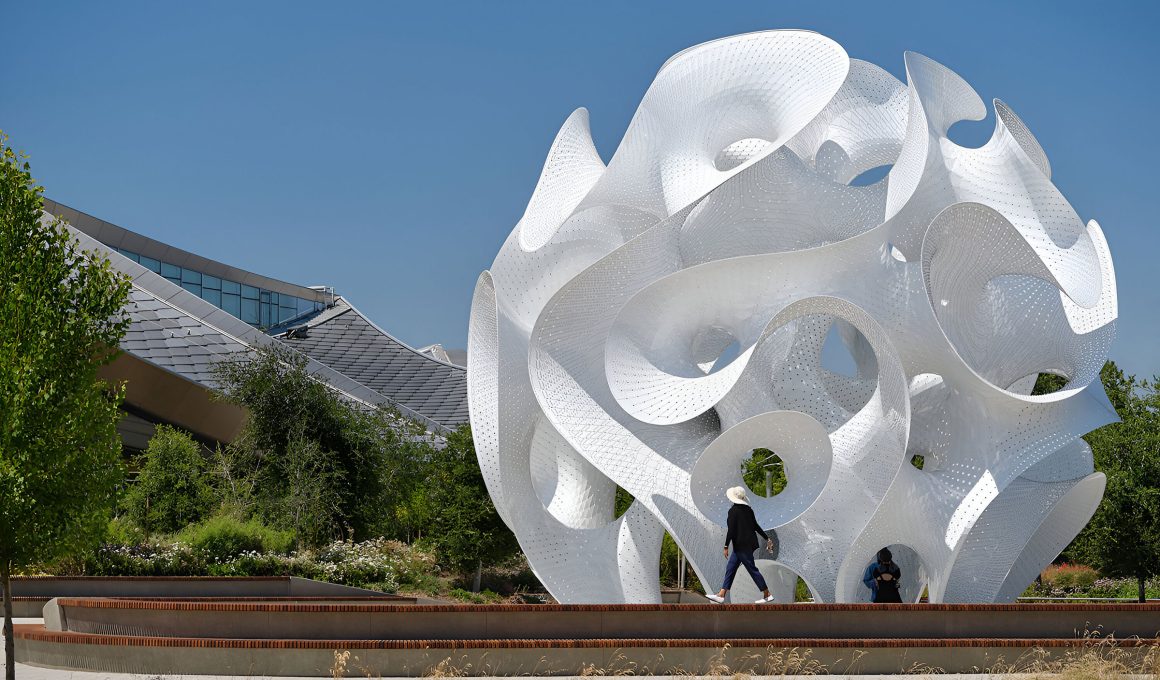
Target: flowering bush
[
  {"x": 144, "y": 559},
  {"x": 378, "y": 564},
  {"x": 376, "y": 561},
  {"x": 1077, "y": 580},
  {"x": 1070, "y": 576}
]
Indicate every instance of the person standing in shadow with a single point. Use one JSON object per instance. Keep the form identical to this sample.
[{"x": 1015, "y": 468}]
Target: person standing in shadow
[
  {"x": 886, "y": 574},
  {"x": 868, "y": 578},
  {"x": 743, "y": 531}
]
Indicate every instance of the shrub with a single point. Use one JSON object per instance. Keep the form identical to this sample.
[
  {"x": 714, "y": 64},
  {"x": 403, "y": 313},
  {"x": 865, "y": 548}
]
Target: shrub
[
  {"x": 377, "y": 564},
  {"x": 223, "y": 537},
  {"x": 265, "y": 564},
  {"x": 148, "y": 559},
  {"x": 123, "y": 532},
  {"x": 309, "y": 461},
  {"x": 1124, "y": 588},
  {"x": 172, "y": 489},
  {"x": 362, "y": 564},
  {"x": 483, "y": 597},
  {"x": 1067, "y": 577}
]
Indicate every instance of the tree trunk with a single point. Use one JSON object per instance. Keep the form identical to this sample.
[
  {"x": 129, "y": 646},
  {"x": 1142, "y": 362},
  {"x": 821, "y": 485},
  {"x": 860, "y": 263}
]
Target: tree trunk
[
  {"x": 1140, "y": 582},
  {"x": 478, "y": 577},
  {"x": 9, "y": 642}
]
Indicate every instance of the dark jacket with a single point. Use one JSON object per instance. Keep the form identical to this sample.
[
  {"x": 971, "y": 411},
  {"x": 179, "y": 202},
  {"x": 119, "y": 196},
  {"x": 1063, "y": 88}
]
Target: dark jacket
[
  {"x": 743, "y": 529},
  {"x": 887, "y": 590}
]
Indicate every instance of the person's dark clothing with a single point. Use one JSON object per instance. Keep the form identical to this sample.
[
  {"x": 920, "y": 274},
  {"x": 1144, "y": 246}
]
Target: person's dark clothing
[
  {"x": 737, "y": 558},
  {"x": 868, "y": 580},
  {"x": 887, "y": 590},
  {"x": 743, "y": 529}
]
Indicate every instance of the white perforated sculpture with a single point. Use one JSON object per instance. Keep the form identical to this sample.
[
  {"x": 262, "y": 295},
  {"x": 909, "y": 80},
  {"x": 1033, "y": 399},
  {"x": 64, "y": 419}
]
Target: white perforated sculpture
[{"x": 599, "y": 342}]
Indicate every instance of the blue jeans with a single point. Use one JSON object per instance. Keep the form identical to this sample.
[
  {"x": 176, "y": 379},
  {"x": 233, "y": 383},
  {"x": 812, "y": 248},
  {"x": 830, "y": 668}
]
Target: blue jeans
[{"x": 736, "y": 559}]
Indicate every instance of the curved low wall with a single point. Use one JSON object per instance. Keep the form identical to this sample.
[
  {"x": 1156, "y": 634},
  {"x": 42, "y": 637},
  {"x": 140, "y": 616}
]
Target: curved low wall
[
  {"x": 301, "y": 638},
  {"x": 31, "y": 593},
  {"x": 322, "y": 621},
  {"x": 178, "y": 586}
]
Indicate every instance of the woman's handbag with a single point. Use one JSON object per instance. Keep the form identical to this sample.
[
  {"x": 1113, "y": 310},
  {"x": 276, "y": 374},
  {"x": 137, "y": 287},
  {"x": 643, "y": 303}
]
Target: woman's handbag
[{"x": 774, "y": 548}]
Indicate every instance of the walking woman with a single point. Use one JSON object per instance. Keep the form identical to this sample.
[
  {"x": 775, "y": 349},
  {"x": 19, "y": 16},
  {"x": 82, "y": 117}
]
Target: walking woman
[{"x": 743, "y": 530}]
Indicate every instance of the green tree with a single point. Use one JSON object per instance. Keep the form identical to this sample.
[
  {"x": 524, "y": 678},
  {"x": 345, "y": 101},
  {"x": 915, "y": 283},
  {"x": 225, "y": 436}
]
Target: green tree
[
  {"x": 462, "y": 523},
  {"x": 1123, "y": 537},
  {"x": 309, "y": 461},
  {"x": 755, "y": 467},
  {"x": 60, "y": 456},
  {"x": 173, "y": 488}
]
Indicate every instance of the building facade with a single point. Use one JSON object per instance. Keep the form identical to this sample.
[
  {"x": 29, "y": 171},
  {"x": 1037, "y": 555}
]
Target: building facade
[{"x": 189, "y": 312}]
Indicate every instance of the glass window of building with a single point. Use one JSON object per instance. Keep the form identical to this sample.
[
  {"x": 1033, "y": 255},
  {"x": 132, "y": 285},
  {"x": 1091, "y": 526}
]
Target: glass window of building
[
  {"x": 171, "y": 272},
  {"x": 191, "y": 281},
  {"x": 249, "y": 311},
  {"x": 232, "y": 304},
  {"x": 151, "y": 264},
  {"x": 263, "y": 308}
]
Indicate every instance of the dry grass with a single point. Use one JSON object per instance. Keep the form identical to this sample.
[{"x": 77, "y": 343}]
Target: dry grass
[
  {"x": 1101, "y": 658},
  {"x": 448, "y": 669},
  {"x": 618, "y": 666},
  {"x": 773, "y": 662}
]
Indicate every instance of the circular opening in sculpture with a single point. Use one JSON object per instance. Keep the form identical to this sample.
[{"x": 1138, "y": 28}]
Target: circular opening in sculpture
[
  {"x": 791, "y": 446},
  {"x": 726, "y": 357},
  {"x": 871, "y": 176},
  {"x": 740, "y": 152},
  {"x": 972, "y": 134},
  {"x": 913, "y": 576},
  {"x": 713, "y": 348},
  {"x": 764, "y": 473},
  {"x": 918, "y": 461},
  {"x": 1047, "y": 383},
  {"x": 836, "y": 356},
  {"x": 1041, "y": 383}
]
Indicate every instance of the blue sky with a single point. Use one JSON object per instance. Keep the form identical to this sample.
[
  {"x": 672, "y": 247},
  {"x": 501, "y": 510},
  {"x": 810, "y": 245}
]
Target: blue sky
[{"x": 388, "y": 148}]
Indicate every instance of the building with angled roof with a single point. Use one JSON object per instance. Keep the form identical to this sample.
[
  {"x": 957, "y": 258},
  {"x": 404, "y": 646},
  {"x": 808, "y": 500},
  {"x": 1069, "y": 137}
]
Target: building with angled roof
[{"x": 188, "y": 312}]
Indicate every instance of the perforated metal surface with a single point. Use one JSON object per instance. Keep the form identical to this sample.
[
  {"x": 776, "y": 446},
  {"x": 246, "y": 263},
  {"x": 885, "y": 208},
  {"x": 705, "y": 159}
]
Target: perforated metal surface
[{"x": 599, "y": 341}]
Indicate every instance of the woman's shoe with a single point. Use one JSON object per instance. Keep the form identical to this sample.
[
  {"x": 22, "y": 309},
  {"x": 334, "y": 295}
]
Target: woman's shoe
[
  {"x": 715, "y": 598},
  {"x": 764, "y": 600}
]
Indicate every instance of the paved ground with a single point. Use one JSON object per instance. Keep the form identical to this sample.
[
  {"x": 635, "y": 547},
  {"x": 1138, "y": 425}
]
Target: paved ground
[
  {"x": 31, "y": 673},
  {"x": 24, "y": 672}
]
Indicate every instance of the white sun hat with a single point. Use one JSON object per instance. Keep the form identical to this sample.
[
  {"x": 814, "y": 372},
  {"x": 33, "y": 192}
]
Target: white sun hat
[{"x": 737, "y": 495}]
